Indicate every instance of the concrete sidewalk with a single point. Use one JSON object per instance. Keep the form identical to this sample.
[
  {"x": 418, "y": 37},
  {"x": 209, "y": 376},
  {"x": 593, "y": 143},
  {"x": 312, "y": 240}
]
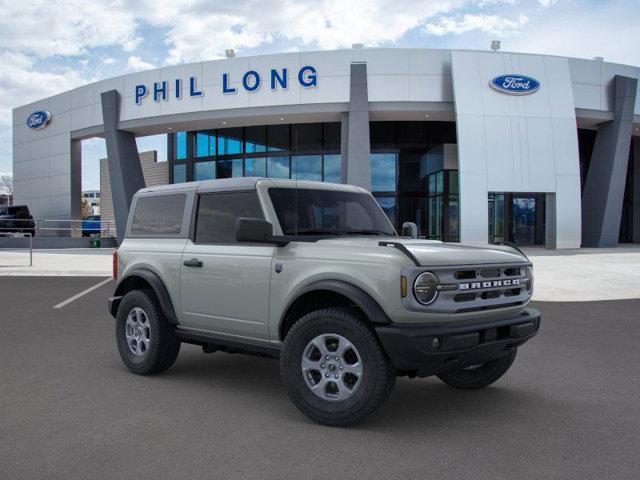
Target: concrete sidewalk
[{"x": 586, "y": 274}]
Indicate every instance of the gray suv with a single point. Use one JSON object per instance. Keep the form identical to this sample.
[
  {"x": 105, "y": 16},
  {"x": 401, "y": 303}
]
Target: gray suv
[{"x": 314, "y": 274}]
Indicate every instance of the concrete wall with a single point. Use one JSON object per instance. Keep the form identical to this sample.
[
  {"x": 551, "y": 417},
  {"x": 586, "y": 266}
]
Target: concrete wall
[
  {"x": 155, "y": 173},
  {"x": 508, "y": 143}
]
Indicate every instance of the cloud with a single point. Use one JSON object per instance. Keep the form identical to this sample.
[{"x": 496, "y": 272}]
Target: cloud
[
  {"x": 66, "y": 28},
  {"x": 135, "y": 63},
  {"x": 491, "y": 24},
  {"x": 108, "y": 61},
  {"x": 547, "y": 3}
]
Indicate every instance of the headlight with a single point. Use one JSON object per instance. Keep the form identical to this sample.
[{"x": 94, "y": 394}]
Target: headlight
[
  {"x": 529, "y": 284},
  {"x": 425, "y": 288}
]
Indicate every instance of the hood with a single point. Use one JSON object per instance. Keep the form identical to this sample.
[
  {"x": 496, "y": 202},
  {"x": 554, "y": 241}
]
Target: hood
[{"x": 435, "y": 253}]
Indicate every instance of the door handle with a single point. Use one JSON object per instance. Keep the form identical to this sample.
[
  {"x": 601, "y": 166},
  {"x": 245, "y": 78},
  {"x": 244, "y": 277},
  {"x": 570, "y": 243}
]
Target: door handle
[{"x": 193, "y": 262}]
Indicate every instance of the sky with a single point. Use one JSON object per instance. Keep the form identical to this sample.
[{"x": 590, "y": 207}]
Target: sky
[{"x": 48, "y": 47}]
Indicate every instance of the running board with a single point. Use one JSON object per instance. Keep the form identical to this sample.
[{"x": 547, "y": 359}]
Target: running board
[{"x": 212, "y": 343}]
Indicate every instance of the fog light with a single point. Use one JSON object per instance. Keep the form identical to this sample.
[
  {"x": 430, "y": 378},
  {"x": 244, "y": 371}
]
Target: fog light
[{"x": 425, "y": 288}]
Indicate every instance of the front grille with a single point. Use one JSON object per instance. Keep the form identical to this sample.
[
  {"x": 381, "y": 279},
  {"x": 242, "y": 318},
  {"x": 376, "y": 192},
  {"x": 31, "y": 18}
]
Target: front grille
[{"x": 471, "y": 288}]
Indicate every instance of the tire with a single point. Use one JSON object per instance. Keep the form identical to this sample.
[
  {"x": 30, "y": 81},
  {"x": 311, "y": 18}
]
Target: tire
[
  {"x": 476, "y": 377},
  {"x": 157, "y": 346},
  {"x": 357, "y": 395}
]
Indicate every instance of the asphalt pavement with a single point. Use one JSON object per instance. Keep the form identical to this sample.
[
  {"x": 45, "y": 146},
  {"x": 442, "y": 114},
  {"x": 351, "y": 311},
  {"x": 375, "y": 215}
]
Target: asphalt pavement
[{"x": 69, "y": 409}]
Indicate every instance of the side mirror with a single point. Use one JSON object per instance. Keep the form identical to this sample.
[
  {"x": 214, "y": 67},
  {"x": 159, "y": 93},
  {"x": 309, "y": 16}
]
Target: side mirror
[
  {"x": 257, "y": 230},
  {"x": 253, "y": 230},
  {"x": 409, "y": 229}
]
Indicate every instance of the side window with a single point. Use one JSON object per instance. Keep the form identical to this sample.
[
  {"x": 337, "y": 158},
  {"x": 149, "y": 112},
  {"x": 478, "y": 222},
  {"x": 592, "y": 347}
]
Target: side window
[
  {"x": 218, "y": 212},
  {"x": 158, "y": 216}
]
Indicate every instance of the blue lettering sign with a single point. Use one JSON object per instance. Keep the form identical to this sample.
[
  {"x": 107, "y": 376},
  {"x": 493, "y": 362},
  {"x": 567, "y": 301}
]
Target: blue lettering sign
[
  {"x": 275, "y": 77},
  {"x": 515, "y": 84},
  {"x": 141, "y": 92},
  {"x": 253, "y": 85},
  {"x": 225, "y": 84},
  {"x": 192, "y": 88},
  {"x": 309, "y": 80},
  {"x": 157, "y": 90}
]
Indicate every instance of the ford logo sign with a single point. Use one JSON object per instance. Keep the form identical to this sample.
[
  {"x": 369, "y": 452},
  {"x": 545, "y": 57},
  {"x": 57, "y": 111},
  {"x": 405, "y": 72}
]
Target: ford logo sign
[
  {"x": 515, "y": 84},
  {"x": 38, "y": 119}
]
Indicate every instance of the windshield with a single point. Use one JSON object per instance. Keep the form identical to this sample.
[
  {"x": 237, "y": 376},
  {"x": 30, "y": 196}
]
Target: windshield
[{"x": 328, "y": 212}]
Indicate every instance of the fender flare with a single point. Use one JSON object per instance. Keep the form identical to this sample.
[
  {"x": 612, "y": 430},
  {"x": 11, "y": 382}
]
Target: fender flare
[
  {"x": 161, "y": 292},
  {"x": 369, "y": 306}
]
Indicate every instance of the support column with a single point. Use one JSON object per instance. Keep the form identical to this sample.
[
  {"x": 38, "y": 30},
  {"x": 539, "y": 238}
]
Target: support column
[
  {"x": 356, "y": 162},
  {"x": 636, "y": 190},
  {"x": 604, "y": 186},
  {"x": 125, "y": 171}
]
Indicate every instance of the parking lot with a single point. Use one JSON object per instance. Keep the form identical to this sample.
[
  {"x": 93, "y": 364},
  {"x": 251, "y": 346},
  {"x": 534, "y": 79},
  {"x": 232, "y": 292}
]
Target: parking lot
[{"x": 569, "y": 408}]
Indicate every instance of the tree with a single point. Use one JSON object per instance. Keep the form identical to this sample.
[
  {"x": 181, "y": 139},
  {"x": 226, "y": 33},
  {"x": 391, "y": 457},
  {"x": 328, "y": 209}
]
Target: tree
[
  {"x": 6, "y": 186},
  {"x": 86, "y": 208}
]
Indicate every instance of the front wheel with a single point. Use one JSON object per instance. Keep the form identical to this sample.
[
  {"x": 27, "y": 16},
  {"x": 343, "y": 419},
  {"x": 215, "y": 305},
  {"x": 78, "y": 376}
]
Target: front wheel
[
  {"x": 334, "y": 369},
  {"x": 479, "y": 376}
]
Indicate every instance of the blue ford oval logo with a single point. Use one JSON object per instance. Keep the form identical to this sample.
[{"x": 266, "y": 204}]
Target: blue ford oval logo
[
  {"x": 38, "y": 119},
  {"x": 515, "y": 84}
]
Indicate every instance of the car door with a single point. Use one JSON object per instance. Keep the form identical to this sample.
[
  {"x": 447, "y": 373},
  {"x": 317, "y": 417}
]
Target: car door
[{"x": 225, "y": 284}]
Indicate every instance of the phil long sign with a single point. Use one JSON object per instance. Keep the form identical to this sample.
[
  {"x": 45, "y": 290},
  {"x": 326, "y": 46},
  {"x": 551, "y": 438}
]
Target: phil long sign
[
  {"x": 515, "y": 84},
  {"x": 250, "y": 81}
]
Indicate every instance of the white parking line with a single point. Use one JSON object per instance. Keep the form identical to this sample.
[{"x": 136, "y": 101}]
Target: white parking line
[{"x": 82, "y": 293}]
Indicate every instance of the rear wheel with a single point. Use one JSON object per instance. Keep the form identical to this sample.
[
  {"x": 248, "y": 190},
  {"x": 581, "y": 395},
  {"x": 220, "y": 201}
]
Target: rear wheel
[
  {"x": 146, "y": 341},
  {"x": 334, "y": 369},
  {"x": 479, "y": 376}
]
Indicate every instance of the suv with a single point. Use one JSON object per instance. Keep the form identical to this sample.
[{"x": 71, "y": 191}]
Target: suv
[
  {"x": 17, "y": 219},
  {"x": 313, "y": 274}
]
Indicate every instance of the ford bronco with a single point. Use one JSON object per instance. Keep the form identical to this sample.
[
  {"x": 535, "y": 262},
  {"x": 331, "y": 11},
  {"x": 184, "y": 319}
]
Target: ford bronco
[{"x": 314, "y": 274}]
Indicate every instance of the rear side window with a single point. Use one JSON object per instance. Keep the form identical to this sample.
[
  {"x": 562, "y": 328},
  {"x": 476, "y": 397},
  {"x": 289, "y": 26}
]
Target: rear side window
[
  {"x": 218, "y": 212},
  {"x": 158, "y": 216}
]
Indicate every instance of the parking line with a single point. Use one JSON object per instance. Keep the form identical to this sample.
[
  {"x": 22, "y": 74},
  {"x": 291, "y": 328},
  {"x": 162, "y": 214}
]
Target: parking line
[{"x": 82, "y": 293}]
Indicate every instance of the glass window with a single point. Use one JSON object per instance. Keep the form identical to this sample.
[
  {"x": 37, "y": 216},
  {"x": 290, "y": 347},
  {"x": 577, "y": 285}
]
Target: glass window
[
  {"x": 255, "y": 167},
  {"x": 383, "y": 135},
  {"x": 388, "y": 205},
  {"x": 255, "y": 139},
  {"x": 332, "y": 168},
  {"x": 327, "y": 212},
  {"x": 383, "y": 172},
  {"x": 278, "y": 167},
  {"x": 307, "y": 167},
  {"x": 204, "y": 171},
  {"x": 158, "y": 215},
  {"x": 180, "y": 146},
  {"x": 180, "y": 173},
  {"x": 331, "y": 132},
  {"x": 218, "y": 212},
  {"x": 278, "y": 138},
  {"x": 307, "y": 137},
  {"x": 229, "y": 168},
  {"x": 229, "y": 141},
  {"x": 205, "y": 144}
]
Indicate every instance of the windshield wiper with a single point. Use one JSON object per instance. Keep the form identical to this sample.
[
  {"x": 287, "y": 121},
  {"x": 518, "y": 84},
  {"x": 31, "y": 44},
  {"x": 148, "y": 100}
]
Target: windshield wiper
[
  {"x": 315, "y": 231},
  {"x": 366, "y": 232}
]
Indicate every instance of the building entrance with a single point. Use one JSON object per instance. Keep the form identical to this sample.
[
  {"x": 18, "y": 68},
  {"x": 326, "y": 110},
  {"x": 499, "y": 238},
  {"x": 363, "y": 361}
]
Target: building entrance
[{"x": 517, "y": 217}]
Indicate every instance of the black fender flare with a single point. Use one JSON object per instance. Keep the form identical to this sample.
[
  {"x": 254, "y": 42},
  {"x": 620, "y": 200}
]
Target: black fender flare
[
  {"x": 365, "y": 302},
  {"x": 162, "y": 294}
]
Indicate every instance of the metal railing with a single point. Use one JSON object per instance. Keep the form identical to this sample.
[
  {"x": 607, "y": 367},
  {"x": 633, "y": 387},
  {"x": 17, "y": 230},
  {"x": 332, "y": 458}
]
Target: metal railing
[
  {"x": 21, "y": 235},
  {"x": 56, "y": 228}
]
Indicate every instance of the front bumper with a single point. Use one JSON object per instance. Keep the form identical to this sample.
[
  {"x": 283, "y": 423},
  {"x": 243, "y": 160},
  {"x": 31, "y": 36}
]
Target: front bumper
[{"x": 425, "y": 350}]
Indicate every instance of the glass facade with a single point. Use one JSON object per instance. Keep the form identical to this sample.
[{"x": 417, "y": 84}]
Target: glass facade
[
  {"x": 410, "y": 180},
  {"x": 308, "y": 151}
]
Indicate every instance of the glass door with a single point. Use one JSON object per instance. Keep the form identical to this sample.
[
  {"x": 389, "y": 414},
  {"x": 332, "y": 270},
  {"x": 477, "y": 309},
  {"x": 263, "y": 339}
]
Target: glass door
[{"x": 523, "y": 219}]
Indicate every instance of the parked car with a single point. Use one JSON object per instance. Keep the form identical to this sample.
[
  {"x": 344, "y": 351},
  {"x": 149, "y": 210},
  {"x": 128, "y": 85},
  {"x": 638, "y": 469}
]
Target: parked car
[
  {"x": 91, "y": 225},
  {"x": 315, "y": 274},
  {"x": 17, "y": 219}
]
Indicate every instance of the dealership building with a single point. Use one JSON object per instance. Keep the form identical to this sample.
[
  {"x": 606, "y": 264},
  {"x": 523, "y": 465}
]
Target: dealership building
[{"x": 472, "y": 146}]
